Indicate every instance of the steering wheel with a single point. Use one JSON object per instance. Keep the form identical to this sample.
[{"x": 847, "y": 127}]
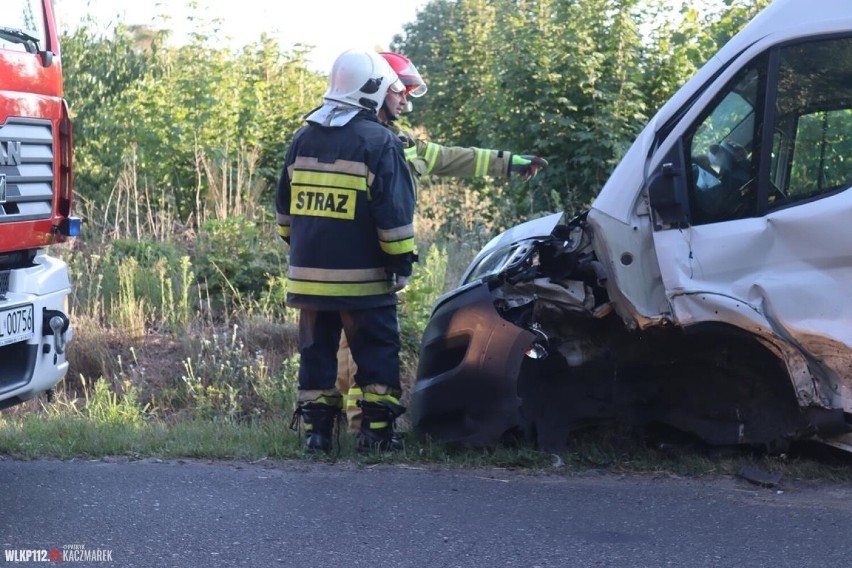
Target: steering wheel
[{"x": 734, "y": 162}]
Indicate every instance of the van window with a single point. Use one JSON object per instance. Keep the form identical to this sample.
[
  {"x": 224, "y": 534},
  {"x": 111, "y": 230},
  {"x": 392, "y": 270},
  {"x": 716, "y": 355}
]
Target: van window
[
  {"x": 24, "y": 16},
  {"x": 720, "y": 153},
  {"x": 812, "y": 144},
  {"x": 811, "y": 154}
]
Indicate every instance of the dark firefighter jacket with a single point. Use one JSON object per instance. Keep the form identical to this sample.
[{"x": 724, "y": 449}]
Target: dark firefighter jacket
[{"x": 345, "y": 202}]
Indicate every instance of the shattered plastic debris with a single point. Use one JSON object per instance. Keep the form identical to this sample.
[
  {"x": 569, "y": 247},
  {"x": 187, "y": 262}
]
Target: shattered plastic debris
[{"x": 759, "y": 476}]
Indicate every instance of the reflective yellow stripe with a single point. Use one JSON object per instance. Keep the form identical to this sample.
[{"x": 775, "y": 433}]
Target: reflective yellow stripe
[
  {"x": 358, "y": 169},
  {"x": 399, "y": 240},
  {"x": 431, "y": 155},
  {"x": 488, "y": 156},
  {"x": 398, "y": 247},
  {"x": 283, "y": 231},
  {"x": 329, "y": 180},
  {"x": 483, "y": 157},
  {"x": 336, "y": 274},
  {"x": 341, "y": 166},
  {"x": 378, "y": 425},
  {"x": 396, "y": 233},
  {"x": 306, "y": 396},
  {"x": 353, "y": 396},
  {"x": 338, "y": 289},
  {"x": 373, "y": 397},
  {"x": 411, "y": 153}
]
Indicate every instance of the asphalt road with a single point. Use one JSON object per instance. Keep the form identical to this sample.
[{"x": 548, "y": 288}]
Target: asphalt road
[{"x": 197, "y": 514}]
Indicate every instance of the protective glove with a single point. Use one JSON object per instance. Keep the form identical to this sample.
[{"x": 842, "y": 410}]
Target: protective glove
[
  {"x": 399, "y": 270},
  {"x": 526, "y": 165},
  {"x": 398, "y": 283}
]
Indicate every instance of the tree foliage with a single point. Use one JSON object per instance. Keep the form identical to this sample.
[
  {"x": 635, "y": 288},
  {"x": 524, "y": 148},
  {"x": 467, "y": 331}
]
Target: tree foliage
[
  {"x": 570, "y": 80},
  {"x": 173, "y": 111}
]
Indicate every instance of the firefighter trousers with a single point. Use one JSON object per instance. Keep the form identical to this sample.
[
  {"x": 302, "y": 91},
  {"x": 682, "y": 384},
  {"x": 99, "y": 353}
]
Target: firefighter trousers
[{"x": 373, "y": 337}]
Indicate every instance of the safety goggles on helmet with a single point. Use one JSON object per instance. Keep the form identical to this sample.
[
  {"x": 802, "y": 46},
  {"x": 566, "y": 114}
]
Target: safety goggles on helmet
[
  {"x": 398, "y": 87},
  {"x": 416, "y": 90},
  {"x": 415, "y": 86}
]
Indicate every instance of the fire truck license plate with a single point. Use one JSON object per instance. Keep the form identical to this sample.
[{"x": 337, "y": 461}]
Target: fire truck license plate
[{"x": 16, "y": 324}]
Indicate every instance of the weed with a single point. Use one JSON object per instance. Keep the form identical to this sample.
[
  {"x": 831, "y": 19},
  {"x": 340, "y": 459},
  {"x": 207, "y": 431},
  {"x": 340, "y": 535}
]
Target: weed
[
  {"x": 105, "y": 406},
  {"x": 224, "y": 381}
]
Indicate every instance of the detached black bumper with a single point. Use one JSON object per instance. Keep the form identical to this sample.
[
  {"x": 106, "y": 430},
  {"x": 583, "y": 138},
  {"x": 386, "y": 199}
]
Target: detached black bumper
[{"x": 467, "y": 379}]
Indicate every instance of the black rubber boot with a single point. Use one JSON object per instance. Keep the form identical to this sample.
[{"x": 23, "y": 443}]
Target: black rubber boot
[
  {"x": 377, "y": 424},
  {"x": 320, "y": 420}
]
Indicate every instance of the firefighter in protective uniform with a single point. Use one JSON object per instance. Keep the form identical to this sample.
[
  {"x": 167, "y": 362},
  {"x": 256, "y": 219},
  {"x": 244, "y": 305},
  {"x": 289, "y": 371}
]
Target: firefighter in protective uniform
[
  {"x": 426, "y": 158},
  {"x": 345, "y": 204}
]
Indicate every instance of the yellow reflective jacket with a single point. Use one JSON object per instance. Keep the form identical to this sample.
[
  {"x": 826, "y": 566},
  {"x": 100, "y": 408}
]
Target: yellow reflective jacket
[{"x": 429, "y": 158}]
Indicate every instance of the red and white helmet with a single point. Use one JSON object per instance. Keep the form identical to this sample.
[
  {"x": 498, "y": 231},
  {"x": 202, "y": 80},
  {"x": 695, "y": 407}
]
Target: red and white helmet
[
  {"x": 415, "y": 86},
  {"x": 361, "y": 78}
]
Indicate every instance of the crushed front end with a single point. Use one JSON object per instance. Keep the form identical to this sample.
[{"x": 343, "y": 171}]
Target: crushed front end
[
  {"x": 530, "y": 347},
  {"x": 533, "y": 291}
]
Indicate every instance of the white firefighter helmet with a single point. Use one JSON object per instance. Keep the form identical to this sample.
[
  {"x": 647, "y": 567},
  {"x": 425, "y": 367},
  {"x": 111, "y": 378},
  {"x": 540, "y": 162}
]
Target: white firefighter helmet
[{"x": 361, "y": 78}]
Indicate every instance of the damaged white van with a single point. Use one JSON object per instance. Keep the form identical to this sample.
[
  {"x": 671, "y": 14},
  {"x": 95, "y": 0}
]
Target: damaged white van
[{"x": 708, "y": 288}]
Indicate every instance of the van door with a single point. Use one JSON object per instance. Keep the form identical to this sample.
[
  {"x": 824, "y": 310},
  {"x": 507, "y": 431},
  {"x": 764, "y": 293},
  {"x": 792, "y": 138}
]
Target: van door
[{"x": 767, "y": 242}]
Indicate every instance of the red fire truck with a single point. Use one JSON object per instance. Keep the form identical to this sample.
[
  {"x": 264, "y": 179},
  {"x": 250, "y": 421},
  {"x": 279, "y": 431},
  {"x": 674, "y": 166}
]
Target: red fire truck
[{"x": 35, "y": 203}]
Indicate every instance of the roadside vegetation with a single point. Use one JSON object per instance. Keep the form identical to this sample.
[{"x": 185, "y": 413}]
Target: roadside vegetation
[{"x": 183, "y": 346}]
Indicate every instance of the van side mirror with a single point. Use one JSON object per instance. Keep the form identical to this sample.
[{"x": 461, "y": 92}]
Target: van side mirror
[{"x": 667, "y": 193}]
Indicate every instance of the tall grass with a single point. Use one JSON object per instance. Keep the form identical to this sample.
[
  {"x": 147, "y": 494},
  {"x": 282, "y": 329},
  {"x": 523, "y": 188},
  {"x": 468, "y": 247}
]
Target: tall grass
[
  {"x": 186, "y": 319},
  {"x": 181, "y": 323}
]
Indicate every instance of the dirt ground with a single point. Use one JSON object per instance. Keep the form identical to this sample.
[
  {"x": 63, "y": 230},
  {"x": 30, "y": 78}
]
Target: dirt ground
[{"x": 155, "y": 361}]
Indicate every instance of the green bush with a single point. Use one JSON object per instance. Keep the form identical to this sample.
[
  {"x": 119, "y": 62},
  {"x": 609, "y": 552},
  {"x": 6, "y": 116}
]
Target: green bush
[
  {"x": 236, "y": 257},
  {"x": 415, "y": 304},
  {"x": 147, "y": 252}
]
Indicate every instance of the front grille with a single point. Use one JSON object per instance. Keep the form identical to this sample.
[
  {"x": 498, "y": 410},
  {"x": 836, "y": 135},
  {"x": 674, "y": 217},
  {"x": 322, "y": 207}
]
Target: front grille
[{"x": 26, "y": 159}]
